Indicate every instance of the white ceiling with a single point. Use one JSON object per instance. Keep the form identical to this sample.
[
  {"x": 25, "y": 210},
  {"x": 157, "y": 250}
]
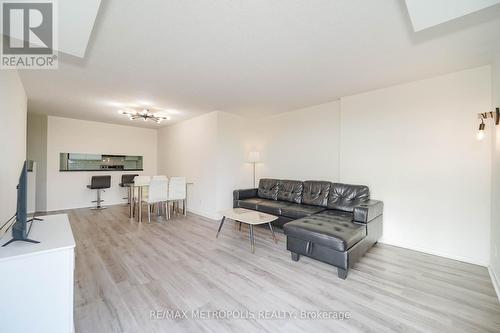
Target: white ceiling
[{"x": 251, "y": 57}]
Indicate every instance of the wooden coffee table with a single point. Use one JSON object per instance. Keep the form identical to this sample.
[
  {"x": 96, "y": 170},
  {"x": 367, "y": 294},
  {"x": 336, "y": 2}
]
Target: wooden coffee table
[{"x": 250, "y": 217}]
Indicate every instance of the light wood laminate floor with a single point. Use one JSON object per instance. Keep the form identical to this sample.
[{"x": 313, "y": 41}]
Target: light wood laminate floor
[{"x": 125, "y": 270}]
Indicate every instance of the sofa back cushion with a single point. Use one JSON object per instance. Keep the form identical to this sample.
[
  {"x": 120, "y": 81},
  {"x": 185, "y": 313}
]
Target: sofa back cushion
[
  {"x": 345, "y": 196},
  {"x": 315, "y": 192},
  {"x": 290, "y": 190},
  {"x": 268, "y": 189}
]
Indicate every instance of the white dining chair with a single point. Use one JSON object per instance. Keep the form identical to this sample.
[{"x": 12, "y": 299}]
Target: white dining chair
[
  {"x": 176, "y": 193},
  {"x": 162, "y": 177},
  {"x": 141, "y": 180},
  {"x": 157, "y": 194}
]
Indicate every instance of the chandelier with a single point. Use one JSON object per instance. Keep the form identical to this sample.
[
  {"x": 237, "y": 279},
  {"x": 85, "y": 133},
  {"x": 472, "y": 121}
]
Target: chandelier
[{"x": 145, "y": 115}]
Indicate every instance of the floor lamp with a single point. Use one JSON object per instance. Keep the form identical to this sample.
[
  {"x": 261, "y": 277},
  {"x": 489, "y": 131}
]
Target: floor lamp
[{"x": 254, "y": 158}]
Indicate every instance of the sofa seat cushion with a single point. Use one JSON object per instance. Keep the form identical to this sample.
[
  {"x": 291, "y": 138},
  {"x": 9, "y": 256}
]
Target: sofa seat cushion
[
  {"x": 250, "y": 203},
  {"x": 335, "y": 232},
  {"x": 338, "y": 215},
  {"x": 271, "y": 207},
  {"x": 297, "y": 211}
]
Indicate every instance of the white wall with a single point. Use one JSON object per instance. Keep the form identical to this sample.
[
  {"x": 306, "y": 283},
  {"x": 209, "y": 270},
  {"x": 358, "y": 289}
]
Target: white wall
[
  {"x": 414, "y": 145},
  {"x": 211, "y": 151},
  {"x": 495, "y": 172},
  {"x": 37, "y": 151},
  {"x": 220, "y": 142},
  {"x": 301, "y": 144},
  {"x": 12, "y": 139},
  {"x": 67, "y": 190},
  {"x": 189, "y": 149},
  {"x": 235, "y": 139}
]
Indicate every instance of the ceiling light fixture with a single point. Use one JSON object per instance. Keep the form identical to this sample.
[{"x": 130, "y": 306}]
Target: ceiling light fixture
[
  {"x": 495, "y": 115},
  {"x": 144, "y": 115}
]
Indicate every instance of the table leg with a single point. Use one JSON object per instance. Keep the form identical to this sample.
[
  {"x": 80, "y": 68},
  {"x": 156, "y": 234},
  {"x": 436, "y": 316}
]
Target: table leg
[
  {"x": 186, "y": 201},
  {"x": 272, "y": 231},
  {"x": 139, "y": 208},
  {"x": 220, "y": 226},
  {"x": 252, "y": 239},
  {"x": 131, "y": 202},
  {"x": 240, "y": 226}
]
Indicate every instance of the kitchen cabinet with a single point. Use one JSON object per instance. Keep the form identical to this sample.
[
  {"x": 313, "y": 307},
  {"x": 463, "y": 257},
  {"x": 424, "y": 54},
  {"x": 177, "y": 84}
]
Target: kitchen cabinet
[
  {"x": 85, "y": 157},
  {"x": 77, "y": 157}
]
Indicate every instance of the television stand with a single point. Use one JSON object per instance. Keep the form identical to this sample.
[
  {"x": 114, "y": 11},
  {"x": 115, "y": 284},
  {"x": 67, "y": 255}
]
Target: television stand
[
  {"x": 21, "y": 240},
  {"x": 37, "y": 280}
]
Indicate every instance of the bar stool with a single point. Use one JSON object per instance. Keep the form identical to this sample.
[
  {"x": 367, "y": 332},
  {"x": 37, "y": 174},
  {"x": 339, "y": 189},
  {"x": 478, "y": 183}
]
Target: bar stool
[
  {"x": 127, "y": 181},
  {"x": 99, "y": 183}
]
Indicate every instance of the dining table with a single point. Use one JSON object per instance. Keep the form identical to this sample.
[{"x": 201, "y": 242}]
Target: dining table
[{"x": 131, "y": 196}]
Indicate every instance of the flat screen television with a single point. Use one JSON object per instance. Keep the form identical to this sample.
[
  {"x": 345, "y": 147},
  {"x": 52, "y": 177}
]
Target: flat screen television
[{"x": 20, "y": 227}]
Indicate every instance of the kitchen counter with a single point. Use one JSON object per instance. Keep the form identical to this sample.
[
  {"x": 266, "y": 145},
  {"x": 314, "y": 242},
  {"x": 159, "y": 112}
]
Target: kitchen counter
[{"x": 104, "y": 170}]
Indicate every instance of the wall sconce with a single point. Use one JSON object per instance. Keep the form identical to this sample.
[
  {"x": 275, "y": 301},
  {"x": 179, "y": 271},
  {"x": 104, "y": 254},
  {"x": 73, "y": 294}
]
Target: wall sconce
[{"x": 495, "y": 115}]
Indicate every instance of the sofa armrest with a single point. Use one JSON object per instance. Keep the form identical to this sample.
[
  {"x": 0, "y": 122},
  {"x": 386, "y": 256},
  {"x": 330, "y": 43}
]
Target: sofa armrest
[
  {"x": 368, "y": 210},
  {"x": 244, "y": 194}
]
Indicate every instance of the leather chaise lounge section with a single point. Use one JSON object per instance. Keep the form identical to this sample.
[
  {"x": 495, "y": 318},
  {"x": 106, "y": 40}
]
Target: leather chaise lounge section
[{"x": 331, "y": 222}]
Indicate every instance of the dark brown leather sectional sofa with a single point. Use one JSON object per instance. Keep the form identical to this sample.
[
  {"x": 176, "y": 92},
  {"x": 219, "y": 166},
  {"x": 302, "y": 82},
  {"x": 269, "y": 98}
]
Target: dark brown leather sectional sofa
[{"x": 331, "y": 222}]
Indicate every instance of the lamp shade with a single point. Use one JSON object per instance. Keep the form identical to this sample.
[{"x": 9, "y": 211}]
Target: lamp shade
[{"x": 254, "y": 157}]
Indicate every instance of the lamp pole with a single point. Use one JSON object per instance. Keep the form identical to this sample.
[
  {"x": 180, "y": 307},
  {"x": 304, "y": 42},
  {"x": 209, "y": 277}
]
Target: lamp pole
[
  {"x": 254, "y": 173},
  {"x": 254, "y": 158}
]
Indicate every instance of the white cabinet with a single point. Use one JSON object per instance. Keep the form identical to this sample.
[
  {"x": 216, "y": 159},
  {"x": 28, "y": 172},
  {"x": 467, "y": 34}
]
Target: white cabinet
[
  {"x": 75, "y": 157},
  {"x": 36, "y": 288}
]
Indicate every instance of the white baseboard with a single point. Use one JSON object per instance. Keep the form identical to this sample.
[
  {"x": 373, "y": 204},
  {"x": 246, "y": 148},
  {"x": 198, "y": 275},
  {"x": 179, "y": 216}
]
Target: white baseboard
[
  {"x": 495, "y": 281},
  {"x": 436, "y": 253},
  {"x": 213, "y": 217},
  {"x": 209, "y": 216},
  {"x": 52, "y": 209}
]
